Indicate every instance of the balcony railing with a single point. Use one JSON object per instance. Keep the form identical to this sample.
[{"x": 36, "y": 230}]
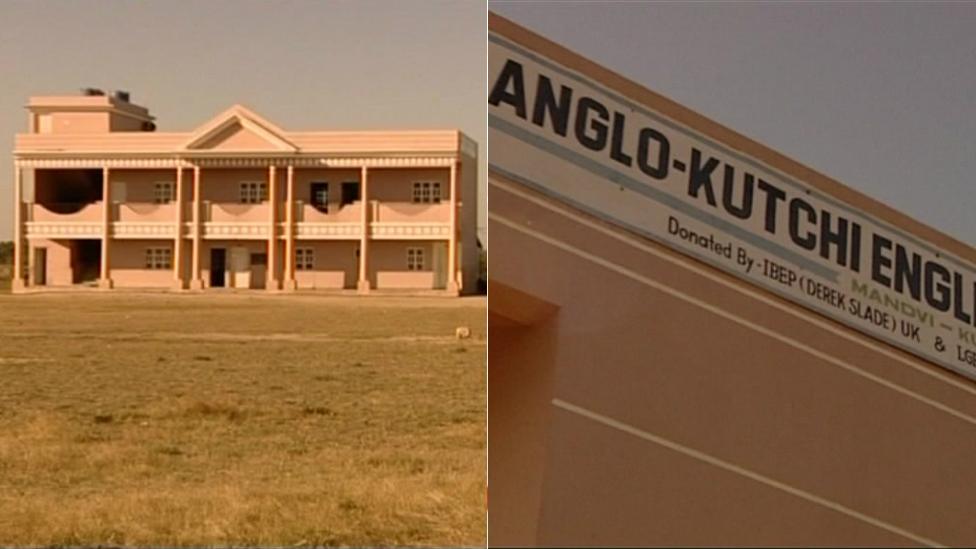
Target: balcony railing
[
  {"x": 307, "y": 213},
  {"x": 393, "y": 212},
  {"x": 144, "y": 211},
  {"x": 64, "y": 212},
  {"x": 229, "y": 212}
]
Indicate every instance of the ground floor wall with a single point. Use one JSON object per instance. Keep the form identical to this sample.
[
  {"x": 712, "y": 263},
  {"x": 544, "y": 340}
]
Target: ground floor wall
[
  {"x": 244, "y": 264},
  {"x": 130, "y": 267},
  {"x": 389, "y": 264},
  {"x": 333, "y": 264},
  {"x": 49, "y": 262}
]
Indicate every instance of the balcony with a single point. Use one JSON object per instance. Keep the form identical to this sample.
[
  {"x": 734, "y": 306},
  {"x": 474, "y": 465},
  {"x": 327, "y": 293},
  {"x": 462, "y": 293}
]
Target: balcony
[
  {"x": 349, "y": 213},
  {"x": 63, "y": 220},
  {"x": 143, "y": 220},
  {"x": 60, "y": 212},
  {"x": 230, "y": 220},
  {"x": 409, "y": 221},
  {"x": 141, "y": 212},
  {"x": 406, "y": 212}
]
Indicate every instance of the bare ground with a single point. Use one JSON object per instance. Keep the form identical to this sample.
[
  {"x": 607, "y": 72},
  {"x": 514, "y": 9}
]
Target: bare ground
[{"x": 237, "y": 419}]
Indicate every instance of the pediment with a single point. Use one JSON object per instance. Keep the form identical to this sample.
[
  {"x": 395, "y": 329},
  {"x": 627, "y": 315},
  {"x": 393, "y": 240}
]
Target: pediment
[{"x": 238, "y": 130}]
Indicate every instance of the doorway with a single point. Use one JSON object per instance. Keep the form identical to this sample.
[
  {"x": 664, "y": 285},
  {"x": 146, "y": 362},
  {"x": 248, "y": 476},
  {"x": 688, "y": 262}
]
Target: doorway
[
  {"x": 40, "y": 267},
  {"x": 86, "y": 257},
  {"x": 218, "y": 267},
  {"x": 439, "y": 265}
]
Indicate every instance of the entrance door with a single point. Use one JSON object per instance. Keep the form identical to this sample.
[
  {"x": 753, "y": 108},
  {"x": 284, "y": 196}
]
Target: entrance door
[
  {"x": 439, "y": 265},
  {"x": 40, "y": 266},
  {"x": 218, "y": 267},
  {"x": 240, "y": 267},
  {"x": 259, "y": 270}
]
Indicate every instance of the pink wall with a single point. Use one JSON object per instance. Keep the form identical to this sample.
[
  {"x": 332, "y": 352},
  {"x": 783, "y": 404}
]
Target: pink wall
[
  {"x": 58, "y": 272},
  {"x": 79, "y": 122},
  {"x": 90, "y": 212},
  {"x": 223, "y": 185},
  {"x": 127, "y": 259},
  {"x": 388, "y": 265},
  {"x": 119, "y": 123},
  {"x": 396, "y": 184},
  {"x": 412, "y": 213},
  {"x": 140, "y": 184},
  {"x": 142, "y": 211},
  {"x": 225, "y": 211},
  {"x": 336, "y": 265}
]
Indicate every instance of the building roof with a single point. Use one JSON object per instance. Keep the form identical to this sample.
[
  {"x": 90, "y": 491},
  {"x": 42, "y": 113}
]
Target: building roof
[{"x": 237, "y": 131}]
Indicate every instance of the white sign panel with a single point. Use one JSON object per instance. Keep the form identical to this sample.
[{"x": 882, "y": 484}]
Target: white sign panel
[{"x": 570, "y": 137}]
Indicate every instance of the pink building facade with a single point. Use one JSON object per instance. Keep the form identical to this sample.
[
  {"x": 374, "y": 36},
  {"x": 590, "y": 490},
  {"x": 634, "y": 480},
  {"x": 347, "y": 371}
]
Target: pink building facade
[{"x": 103, "y": 200}]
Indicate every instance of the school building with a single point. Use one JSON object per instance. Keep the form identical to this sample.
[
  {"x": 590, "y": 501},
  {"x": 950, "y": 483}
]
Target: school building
[
  {"x": 104, "y": 200},
  {"x": 696, "y": 341}
]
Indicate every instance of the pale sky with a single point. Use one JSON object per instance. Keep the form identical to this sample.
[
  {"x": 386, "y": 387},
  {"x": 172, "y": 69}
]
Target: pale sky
[
  {"x": 880, "y": 96},
  {"x": 302, "y": 64}
]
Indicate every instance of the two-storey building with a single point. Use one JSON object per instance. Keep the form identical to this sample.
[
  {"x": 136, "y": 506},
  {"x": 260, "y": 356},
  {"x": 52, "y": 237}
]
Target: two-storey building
[{"x": 102, "y": 199}]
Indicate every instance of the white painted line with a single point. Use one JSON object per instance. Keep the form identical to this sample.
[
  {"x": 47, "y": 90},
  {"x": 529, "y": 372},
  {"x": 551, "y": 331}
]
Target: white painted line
[
  {"x": 738, "y": 320},
  {"x": 741, "y": 471},
  {"x": 693, "y": 266}
]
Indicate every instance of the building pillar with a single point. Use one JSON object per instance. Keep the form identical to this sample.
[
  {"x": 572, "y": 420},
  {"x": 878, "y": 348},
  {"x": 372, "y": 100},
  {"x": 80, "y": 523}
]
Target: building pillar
[
  {"x": 271, "y": 282},
  {"x": 289, "y": 282},
  {"x": 363, "y": 285},
  {"x": 105, "y": 277},
  {"x": 18, "y": 283},
  {"x": 178, "y": 238},
  {"x": 452, "y": 256},
  {"x": 196, "y": 283}
]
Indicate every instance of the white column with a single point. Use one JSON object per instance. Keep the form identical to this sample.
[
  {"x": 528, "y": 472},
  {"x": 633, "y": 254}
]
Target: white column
[
  {"x": 18, "y": 279},
  {"x": 452, "y": 269},
  {"x": 196, "y": 283},
  {"x": 289, "y": 283},
  {"x": 271, "y": 282},
  {"x": 105, "y": 278},
  {"x": 178, "y": 238},
  {"x": 363, "y": 284}
]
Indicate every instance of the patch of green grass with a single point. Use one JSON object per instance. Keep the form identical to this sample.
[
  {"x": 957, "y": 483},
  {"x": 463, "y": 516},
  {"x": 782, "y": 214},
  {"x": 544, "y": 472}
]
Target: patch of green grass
[{"x": 158, "y": 419}]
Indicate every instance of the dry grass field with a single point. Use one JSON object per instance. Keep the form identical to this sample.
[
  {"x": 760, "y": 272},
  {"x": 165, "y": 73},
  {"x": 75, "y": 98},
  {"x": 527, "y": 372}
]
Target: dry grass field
[{"x": 161, "y": 419}]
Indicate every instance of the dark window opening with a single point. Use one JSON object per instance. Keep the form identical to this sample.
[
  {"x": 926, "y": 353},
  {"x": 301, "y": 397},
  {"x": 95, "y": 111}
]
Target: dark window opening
[
  {"x": 67, "y": 191},
  {"x": 320, "y": 196},
  {"x": 350, "y": 192}
]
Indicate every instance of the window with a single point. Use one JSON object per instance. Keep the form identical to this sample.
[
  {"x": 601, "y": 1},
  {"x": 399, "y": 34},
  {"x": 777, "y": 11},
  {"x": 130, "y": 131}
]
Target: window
[
  {"x": 253, "y": 192},
  {"x": 350, "y": 192},
  {"x": 415, "y": 259},
  {"x": 163, "y": 192},
  {"x": 320, "y": 196},
  {"x": 158, "y": 258},
  {"x": 427, "y": 192},
  {"x": 304, "y": 259}
]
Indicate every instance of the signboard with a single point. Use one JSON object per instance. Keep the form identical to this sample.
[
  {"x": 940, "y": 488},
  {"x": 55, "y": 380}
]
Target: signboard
[{"x": 567, "y": 136}]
